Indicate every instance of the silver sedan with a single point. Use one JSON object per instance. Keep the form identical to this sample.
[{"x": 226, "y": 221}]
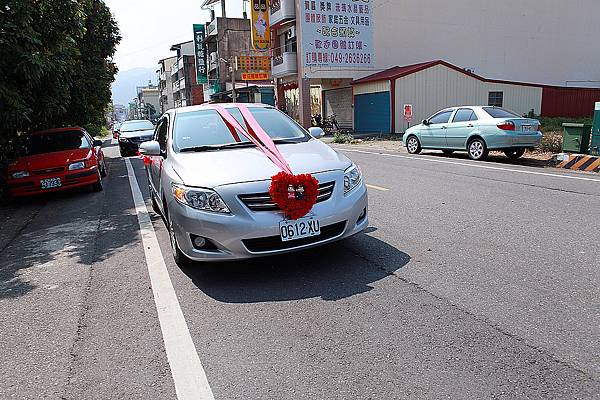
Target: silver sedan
[{"x": 211, "y": 185}]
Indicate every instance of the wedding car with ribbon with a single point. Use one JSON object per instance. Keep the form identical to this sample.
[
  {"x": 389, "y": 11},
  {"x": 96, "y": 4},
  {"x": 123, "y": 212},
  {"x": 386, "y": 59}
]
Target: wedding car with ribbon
[{"x": 235, "y": 181}]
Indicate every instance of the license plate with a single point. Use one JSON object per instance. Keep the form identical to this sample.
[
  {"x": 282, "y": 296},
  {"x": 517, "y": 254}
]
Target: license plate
[
  {"x": 526, "y": 128},
  {"x": 300, "y": 228},
  {"x": 50, "y": 183}
]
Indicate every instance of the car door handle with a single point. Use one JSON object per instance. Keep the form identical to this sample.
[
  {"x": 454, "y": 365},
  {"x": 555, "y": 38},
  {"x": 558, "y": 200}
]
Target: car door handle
[
  {"x": 470, "y": 126},
  {"x": 443, "y": 127}
]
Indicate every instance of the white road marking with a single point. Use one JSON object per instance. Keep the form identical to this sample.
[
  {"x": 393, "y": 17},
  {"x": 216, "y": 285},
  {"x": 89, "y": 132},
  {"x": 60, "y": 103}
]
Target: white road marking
[
  {"x": 426, "y": 158},
  {"x": 377, "y": 187},
  {"x": 188, "y": 374}
]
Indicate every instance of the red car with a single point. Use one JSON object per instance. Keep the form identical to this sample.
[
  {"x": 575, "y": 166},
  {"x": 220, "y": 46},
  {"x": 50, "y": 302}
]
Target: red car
[{"x": 57, "y": 159}]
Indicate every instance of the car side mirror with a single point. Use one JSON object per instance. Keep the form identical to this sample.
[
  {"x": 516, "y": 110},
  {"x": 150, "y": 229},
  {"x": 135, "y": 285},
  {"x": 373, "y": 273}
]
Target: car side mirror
[
  {"x": 97, "y": 143},
  {"x": 150, "y": 148},
  {"x": 425, "y": 122},
  {"x": 316, "y": 132}
]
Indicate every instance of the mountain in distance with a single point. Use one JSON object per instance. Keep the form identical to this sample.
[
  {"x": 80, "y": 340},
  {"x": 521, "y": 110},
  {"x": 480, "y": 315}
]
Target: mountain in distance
[{"x": 124, "y": 86}]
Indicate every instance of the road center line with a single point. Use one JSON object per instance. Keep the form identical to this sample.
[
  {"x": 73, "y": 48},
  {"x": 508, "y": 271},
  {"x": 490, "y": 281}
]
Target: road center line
[
  {"x": 377, "y": 187},
  {"x": 425, "y": 158},
  {"x": 187, "y": 371}
]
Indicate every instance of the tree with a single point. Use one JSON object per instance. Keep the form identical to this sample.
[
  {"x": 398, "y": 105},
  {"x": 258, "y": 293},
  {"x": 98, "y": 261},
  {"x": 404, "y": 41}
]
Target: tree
[{"x": 55, "y": 66}]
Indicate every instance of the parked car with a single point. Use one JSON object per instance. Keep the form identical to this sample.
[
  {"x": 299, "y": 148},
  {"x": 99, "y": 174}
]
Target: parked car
[
  {"x": 475, "y": 129},
  {"x": 132, "y": 133},
  {"x": 212, "y": 188},
  {"x": 57, "y": 159},
  {"x": 115, "y": 129}
]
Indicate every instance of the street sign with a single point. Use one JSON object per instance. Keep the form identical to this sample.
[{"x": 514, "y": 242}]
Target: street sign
[
  {"x": 261, "y": 33},
  {"x": 255, "y": 76},
  {"x": 200, "y": 53},
  {"x": 253, "y": 63},
  {"x": 408, "y": 112}
]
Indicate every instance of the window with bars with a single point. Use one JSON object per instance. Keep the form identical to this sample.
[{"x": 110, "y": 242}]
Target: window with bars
[{"x": 496, "y": 99}]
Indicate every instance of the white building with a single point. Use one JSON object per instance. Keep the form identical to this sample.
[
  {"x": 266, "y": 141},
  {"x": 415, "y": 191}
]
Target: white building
[{"x": 551, "y": 42}]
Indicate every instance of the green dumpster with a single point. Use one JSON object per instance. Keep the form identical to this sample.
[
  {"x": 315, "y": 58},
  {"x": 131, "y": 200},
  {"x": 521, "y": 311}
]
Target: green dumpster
[
  {"x": 595, "y": 147},
  {"x": 576, "y": 138}
]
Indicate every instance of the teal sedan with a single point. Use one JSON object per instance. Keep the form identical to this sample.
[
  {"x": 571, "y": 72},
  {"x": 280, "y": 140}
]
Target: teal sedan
[{"x": 476, "y": 130}]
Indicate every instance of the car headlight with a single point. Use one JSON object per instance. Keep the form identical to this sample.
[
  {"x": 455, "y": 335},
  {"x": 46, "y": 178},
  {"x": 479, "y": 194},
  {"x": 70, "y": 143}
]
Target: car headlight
[
  {"x": 200, "y": 199},
  {"x": 352, "y": 178},
  {"x": 77, "y": 165},
  {"x": 20, "y": 174}
]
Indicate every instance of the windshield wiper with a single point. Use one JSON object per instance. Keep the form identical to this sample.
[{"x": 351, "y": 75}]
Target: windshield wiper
[
  {"x": 288, "y": 141},
  {"x": 216, "y": 148}
]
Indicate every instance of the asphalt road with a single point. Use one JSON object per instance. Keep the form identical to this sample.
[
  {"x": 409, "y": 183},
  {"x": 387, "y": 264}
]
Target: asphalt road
[{"x": 475, "y": 280}]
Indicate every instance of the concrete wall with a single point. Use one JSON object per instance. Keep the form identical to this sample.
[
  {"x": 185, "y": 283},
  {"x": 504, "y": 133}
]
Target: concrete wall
[
  {"x": 549, "y": 41},
  {"x": 439, "y": 87}
]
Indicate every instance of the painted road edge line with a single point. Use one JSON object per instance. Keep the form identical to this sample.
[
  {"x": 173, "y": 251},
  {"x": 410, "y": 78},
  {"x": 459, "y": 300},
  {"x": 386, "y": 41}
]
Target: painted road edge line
[
  {"x": 377, "y": 187},
  {"x": 425, "y": 158},
  {"x": 187, "y": 371}
]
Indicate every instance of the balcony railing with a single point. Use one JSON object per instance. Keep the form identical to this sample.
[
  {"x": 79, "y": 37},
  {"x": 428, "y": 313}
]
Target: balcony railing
[{"x": 284, "y": 64}]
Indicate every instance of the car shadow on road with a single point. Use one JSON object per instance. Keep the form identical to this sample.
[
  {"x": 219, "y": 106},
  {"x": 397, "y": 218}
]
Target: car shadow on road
[
  {"x": 495, "y": 157},
  {"x": 332, "y": 272}
]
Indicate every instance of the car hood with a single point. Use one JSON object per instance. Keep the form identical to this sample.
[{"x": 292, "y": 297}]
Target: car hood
[
  {"x": 218, "y": 168},
  {"x": 133, "y": 134},
  {"x": 49, "y": 160}
]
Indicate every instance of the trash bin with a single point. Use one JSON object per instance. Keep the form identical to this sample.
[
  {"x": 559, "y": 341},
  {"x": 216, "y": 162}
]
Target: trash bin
[
  {"x": 576, "y": 138},
  {"x": 595, "y": 147}
]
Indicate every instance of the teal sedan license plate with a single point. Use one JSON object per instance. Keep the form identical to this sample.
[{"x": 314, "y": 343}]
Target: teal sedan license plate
[{"x": 299, "y": 229}]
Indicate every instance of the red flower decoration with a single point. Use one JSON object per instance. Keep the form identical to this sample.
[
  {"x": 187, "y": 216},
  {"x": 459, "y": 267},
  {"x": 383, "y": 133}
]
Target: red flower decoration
[{"x": 294, "y": 194}]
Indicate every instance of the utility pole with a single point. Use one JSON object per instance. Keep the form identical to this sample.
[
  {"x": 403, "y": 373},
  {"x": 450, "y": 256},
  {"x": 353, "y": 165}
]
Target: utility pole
[
  {"x": 232, "y": 65},
  {"x": 223, "y": 12}
]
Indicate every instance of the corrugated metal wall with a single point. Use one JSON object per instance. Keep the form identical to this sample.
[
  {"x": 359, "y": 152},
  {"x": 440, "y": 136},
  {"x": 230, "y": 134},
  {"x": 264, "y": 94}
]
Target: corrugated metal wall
[
  {"x": 372, "y": 87},
  {"x": 569, "y": 102},
  {"x": 439, "y": 87}
]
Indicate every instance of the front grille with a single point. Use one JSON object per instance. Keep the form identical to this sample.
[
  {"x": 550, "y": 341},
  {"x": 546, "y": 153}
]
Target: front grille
[
  {"x": 274, "y": 243},
  {"x": 263, "y": 202},
  {"x": 47, "y": 171}
]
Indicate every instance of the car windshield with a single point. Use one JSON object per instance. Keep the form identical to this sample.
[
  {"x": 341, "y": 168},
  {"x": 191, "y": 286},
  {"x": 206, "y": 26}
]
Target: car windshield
[
  {"x": 204, "y": 128},
  {"x": 132, "y": 126},
  {"x": 55, "y": 141},
  {"x": 496, "y": 112}
]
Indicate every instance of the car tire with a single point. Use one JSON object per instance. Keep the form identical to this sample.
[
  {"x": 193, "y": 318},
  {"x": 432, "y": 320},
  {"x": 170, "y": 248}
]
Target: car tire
[
  {"x": 123, "y": 153},
  {"x": 477, "y": 149},
  {"x": 448, "y": 152},
  {"x": 98, "y": 186},
  {"x": 413, "y": 146},
  {"x": 180, "y": 259},
  {"x": 102, "y": 168},
  {"x": 514, "y": 154}
]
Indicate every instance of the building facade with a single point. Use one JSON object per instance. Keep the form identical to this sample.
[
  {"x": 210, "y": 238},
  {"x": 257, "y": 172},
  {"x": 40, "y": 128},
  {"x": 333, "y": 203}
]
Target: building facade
[
  {"x": 324, "y": 45},
  {"x": 165, "y": 85},
  {"x": 148, "y": 101},
  {"x": 186, "y": 90}
]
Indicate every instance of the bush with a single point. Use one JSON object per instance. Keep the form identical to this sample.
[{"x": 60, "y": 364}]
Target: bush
[
  {"x": 551, "y": 142},
  {"x": 343, "y": 138}
]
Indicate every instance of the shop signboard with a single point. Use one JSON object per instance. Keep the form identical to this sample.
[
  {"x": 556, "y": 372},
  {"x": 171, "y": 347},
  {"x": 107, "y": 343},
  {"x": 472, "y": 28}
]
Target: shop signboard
[
  {"x": 200, "y": 53},
  {"x": 337, "y": 34}
]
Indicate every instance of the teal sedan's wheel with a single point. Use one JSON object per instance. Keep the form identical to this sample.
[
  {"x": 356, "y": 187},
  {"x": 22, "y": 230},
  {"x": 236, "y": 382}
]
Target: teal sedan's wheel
[
  {"x": 477, "y": 149},
  {"x": 412, "y": 145}
]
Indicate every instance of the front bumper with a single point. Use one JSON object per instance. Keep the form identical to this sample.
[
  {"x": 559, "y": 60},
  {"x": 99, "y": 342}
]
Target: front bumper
[
  {"x": 31, "y": 186},
  {"x": 245, "y": 233}
]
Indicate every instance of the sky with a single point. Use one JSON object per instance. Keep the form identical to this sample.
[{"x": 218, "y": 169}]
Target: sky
[{"x": 150, "y": 27}]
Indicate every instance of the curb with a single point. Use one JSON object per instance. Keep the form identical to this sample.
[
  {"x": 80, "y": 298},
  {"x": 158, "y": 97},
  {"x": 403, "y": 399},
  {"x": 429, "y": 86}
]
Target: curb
[{"x": 579, "y": 162}]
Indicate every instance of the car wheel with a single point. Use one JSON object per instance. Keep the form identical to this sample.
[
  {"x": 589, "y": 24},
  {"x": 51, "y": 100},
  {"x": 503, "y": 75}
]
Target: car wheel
[
  {"x": 447, "y": 152},
  {"x": 103, "y": 171},
  {"x": 98, "y": 186},
  {"x": 477, "y": 149},
  {"x": 180, "y": 259},
  {"x": 412, "y": 145},
  {"x": 122, "y": 152},
  {"x": 514, "y": 154}
]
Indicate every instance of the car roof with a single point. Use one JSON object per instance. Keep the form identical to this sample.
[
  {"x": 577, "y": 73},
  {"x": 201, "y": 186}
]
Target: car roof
[
  {"x": 57, "y": 130},
  {"x": 182, "y": 110}
]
